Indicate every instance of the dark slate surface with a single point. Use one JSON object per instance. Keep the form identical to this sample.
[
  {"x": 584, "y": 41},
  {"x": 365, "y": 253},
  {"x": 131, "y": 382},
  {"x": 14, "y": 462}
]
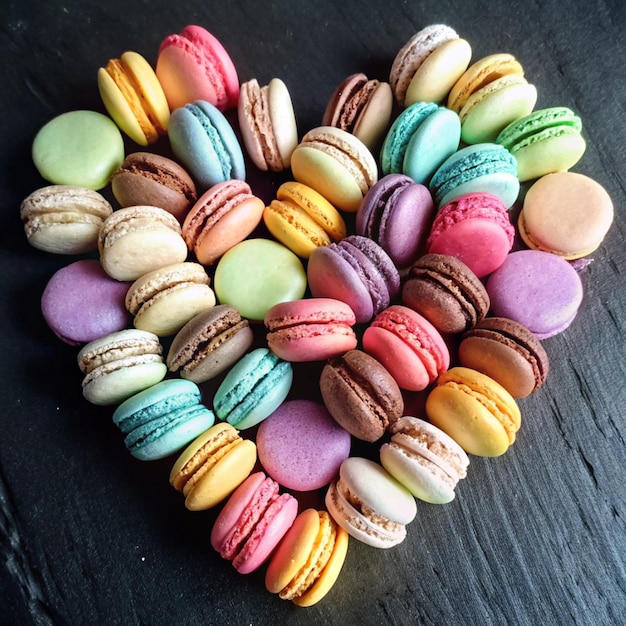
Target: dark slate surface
[{"x": 89, "y": 535}]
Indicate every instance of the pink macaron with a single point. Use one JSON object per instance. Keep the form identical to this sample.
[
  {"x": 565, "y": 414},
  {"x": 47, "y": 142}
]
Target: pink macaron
[
  {"x": 310, "y": 329},
  {"x": 252, "y": 522},
  {"x": 475, "y": 228}
]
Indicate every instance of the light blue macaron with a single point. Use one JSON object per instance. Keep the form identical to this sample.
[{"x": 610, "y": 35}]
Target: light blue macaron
[
  {"x": 162, "y": 419},
  {"x": 205, "y": 143},
  {"x": 253, "y": 389}
]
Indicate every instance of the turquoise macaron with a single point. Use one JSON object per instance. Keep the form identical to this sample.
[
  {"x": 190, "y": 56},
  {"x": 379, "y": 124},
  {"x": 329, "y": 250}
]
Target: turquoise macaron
[
  {"x": 205, "y": 142},
  {"x": 482, "y": 167},
  {"x": 253, "y": 389},
  {"x": 421, "y": 138},
  {"x": 162, "y": 419}
]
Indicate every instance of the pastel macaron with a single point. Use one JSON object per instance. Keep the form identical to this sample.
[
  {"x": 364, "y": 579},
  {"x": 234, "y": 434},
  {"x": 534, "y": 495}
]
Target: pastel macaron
[
  {"x": 162, "y": 419},
  {"x": 361, "y": 394},
  {"x": 203, "y": 140},
  {"x": 212, "y": 466},
  {"x": 194, "y": 65},
  {"x": 429, "y": 64},
  {"x": 209, "y": 343},
  {"x": 567, "y": 214},
  {"x": 134, "y": 98},
  {"x": 424, "y": 459},
  {"x": 81, "y": 148},
  {"x": 223, "y": 216},
  {"x": 336, "y": 164},
  {"x": 301, "y": 446},
  {"x": 81, "y": 303},
  {"x": 253, "y": 388},
  {"x": 120, "y": 365},
  {"x": 475, "y": 228},
  {"x": 408, "y": 345},
  {"x": 302, "y": 219},
  {"x": 361, "y": 106},
  {"x": 308, "y": 560},
  {"x": 475, "y": 410},
  {"x": 370, "y": 504},
  {"x": 357, "y": 271},
  {"x": 397, "y": 214},
  {"x": 252, "y": 522},
  {"x": 508, "y": 352},
  {"x": 310, "y": 329},
  {"x": 64, "y": 219},
  {"x": 446, "y": 292},
  {"x": 545, "y": 141},
  {"x": 267, "y": 123}
]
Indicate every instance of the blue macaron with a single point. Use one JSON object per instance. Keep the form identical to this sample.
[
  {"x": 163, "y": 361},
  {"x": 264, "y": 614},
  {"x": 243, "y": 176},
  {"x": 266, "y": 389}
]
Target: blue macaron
[
  {"x": 421, "y": 138},
  {"x": 162, "y": 419},
  {"x": 205, "y": 143},
  {"x": 486, "y": 167},
  {"x": 253, "y": 389}
]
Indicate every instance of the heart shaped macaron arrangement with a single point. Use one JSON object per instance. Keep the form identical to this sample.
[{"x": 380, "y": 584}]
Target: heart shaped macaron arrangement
[{"x": 387, "y": 260}]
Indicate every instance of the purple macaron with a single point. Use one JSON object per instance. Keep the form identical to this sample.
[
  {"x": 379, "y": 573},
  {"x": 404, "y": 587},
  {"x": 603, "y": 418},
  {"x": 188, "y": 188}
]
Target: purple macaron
[
  {"x": 397, "y": 213},
  {"x": 81, "y": 303},
  {"x": 538, "y": 289},
  {"x": 356, "y": 271},
  {"x": 301, "y": 446}
]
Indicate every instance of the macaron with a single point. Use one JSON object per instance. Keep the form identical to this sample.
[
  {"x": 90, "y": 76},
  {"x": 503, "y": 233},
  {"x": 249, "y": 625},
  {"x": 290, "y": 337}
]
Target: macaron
[
  {"x": 420, "y": 139},
  {"x": 543, "y": 142},
  {"x": 336, "y": 164},
  {"x": 136, "y": 240},
  {"x": 80, "y": 148},
  {"x": 81, "y": 303},
  {"x": 362, "y": 107},
  {"x": 308, "y": 560},
  {"x": 194, "y": 65},
  {"x": 567, "y": 214},
  {"x": 489, "y": 95},
  {"x": 475, "y": 410},
  {"x": 64, "y": 219},
  {"x": 361, "y": 395},
  {"x": 252, "y": 522},
  {"x": 446, "y": 292},
  {"x": 485, "y": 167},
  {"x": 209, "y": 343},
  {"x": 164, "y": 300},
  {"x": 356, "y": 271},
  {"x": 212, "y": 466},
  {"x": 253, "y": 388},
  {"x": 424, "y": 459},
  {"x": 397, "y": 214},
  {"x": 155, "y": 180},
  {"x": 540, "y": 290},
  {"x": 204, "y": 142},
  {"x": 370, "y": 504},
  {"x": 301, "y": 446},
  {"x": 256, "y": 274},
  {"x": 508, "y": 352},
  {"x": 162, "y": 419},
  {"x": 268, "y": 124},
  {"x": 134, "y": 98},
  {"x": 302, "y": 219},
  {"x": 408, "y": 345},
  {"x": 223, "y": 216},
  {"x": 475, "y": 228},
  {"x": 428, "y": 65},
  {"x": 120, "y": 365},
  {"x": 310, "y": 329}
]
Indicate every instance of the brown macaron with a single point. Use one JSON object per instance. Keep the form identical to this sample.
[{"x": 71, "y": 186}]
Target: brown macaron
[
  {"x": 446, "y": 292},
  {"x": 361, "y": 395},
  {"x": 508, "y": 352}
]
